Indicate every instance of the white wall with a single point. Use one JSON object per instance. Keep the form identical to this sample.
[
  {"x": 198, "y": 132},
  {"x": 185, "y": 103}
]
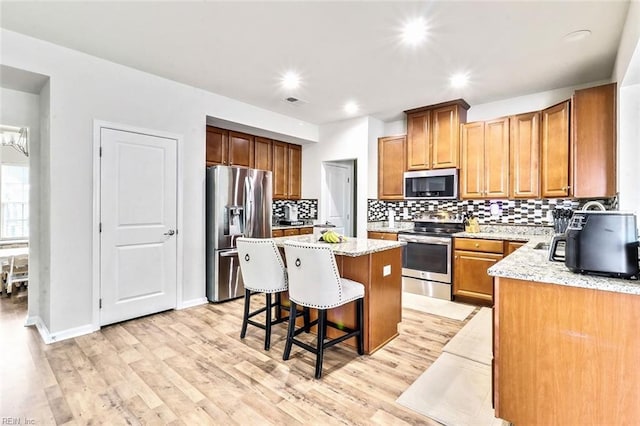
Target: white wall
[
  {"x": 343, "y": 140},
  {"x": 40, "y": 213},
  {"x": 527, "y": 103},
  {"x": 376, "y": 130},
  {"x": 628, "y": 42},
  {"x": 394, "y": 128},
  {"x": 83, "y": 89},
  {"x": 629, "y": 152}
]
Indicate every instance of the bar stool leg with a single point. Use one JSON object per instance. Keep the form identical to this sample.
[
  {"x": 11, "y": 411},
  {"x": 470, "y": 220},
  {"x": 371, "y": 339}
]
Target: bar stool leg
[
  {"x": 245, "y": 318},
  {"x": 267, "y": 324},
  {"x": 322, "y": 331},
  {"x": 360, "y": 321},
  {"x": 290, "y": 331},
  {"x": 307, "y": 319}
]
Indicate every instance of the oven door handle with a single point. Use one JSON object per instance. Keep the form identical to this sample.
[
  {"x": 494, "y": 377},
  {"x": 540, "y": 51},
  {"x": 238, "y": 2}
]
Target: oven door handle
[{"x": 425, "y": 240}]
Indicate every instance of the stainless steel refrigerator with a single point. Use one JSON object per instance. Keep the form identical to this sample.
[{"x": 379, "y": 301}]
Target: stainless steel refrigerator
[{"x": 238, "y": 204}]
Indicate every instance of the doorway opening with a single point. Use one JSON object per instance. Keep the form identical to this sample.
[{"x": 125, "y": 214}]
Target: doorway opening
[{"x": 338, "y": 195}]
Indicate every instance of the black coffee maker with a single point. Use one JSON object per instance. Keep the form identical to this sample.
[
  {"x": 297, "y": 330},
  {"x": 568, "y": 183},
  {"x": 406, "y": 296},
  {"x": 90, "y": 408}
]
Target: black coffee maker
[{"x": 600, "y": 243}]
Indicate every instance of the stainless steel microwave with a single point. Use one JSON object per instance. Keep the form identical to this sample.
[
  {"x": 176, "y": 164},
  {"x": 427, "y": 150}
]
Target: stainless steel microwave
[{"x": 439, "y": 184}]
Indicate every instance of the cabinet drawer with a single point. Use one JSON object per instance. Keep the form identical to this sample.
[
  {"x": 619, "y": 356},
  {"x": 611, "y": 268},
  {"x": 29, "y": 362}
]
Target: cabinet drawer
[
  {"x": 305, "y": 231},
  {"x": 277, "y": 233},
  {"x": 291, "y": 231},
  {"x": 473, "y": 244},
  {"x": 382, "y": 236}
]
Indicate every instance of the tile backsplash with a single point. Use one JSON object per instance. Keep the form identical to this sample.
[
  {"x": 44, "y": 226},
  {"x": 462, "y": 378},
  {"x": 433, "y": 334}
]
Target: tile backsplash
[
  {"x": 525, "y": 212},
  {"x": 307, "y": 208}
]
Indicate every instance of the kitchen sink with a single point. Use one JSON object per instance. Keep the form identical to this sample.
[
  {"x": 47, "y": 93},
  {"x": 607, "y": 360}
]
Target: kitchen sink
[{"x": 541, "y": 246}]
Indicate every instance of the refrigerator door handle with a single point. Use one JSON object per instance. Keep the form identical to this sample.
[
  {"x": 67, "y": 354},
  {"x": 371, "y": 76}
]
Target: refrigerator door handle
[{"x": 248, "y": 208}]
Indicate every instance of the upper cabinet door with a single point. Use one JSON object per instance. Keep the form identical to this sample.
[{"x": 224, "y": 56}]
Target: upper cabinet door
[
  {"x": 263, "y": 158},
  {"x": 280, "y": 170},
  {"x": 472, "y": 160},
  {"x": 418, "y": 143},
  {"x": 524, "y": 145},
  {"x": 445, "y": 139},
  {"x": 554, "y": 153},
  {"x": 391, "y": 166},
  {"x": 594, "y": 142},
  {"x": 295, "y": 171},
  {"x": 496, "y": 158},
  {"x": 217, "y": 149},
  {"x": 241, "y": 151}
]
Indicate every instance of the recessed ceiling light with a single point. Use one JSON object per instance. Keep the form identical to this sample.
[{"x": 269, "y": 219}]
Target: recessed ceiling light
[
  {"x": 351, "y": 107},
  {"x": 414, "y": 32},
  {"x": 291, "y": 80},
  {"x": 577, "y": 35},
  {"x": 459, "y": 80}
]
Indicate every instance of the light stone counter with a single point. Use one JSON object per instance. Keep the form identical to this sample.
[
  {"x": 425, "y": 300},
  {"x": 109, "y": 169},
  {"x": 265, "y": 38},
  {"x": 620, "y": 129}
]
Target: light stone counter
[
  {"x": 384, "y": 227},
  {"x": 277, "y": 227},
  {"x": 507, "y": 232},
  {"x": 353, "y": 247},
  {"x": 530, "y": 264}
]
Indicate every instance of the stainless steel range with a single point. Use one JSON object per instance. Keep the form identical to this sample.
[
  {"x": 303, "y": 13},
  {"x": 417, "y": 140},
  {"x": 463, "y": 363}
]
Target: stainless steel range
[{"x": 427, "y": 267}]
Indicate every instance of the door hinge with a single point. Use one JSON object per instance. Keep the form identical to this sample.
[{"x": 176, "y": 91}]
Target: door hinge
[
  {"x": 100, "y": 152},
  {"x": 100, "y": 227},
  {"x": 348, "y": 180},
  {"x": 100, "y": 304}
]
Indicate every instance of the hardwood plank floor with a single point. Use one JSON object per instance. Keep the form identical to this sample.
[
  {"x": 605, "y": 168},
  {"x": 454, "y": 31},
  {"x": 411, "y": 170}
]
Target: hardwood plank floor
[{"x": 191, "y": 367}]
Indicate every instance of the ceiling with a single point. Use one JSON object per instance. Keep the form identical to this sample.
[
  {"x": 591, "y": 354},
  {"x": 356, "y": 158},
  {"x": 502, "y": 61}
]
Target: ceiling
[{"x": 343, "y": 50}]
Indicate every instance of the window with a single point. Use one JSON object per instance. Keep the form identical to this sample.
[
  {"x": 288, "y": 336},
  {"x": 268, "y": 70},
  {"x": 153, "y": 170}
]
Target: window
[{"x": 14, "y": 200}]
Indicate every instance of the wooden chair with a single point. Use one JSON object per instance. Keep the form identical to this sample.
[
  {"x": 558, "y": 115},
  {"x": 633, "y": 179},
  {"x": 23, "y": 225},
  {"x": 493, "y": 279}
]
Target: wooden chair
[
  {"x": 314, "y": 282},
  {"x": 18, "y": 272}
]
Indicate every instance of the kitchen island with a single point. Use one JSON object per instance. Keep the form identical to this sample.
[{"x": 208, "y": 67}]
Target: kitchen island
[
  {"x": 377, "y": 264},
  {"x": 566, "y": 345}
]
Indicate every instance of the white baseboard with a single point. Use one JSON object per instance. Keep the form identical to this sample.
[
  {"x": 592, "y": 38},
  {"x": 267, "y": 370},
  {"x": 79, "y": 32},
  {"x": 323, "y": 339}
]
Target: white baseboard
[
  {"x": 49, "y": 337},
  {"x": 193, "y": 302}
]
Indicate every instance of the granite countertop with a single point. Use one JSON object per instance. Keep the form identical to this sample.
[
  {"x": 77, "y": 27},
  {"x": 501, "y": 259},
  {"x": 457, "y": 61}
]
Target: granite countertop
[
  {"x": 276, "y": 227},
  {"x": 530, "y": 264},
  {"x": 507, "y": 232},
  {"x": 384, "y": 227},
  {"x": 352, "y": 247}
]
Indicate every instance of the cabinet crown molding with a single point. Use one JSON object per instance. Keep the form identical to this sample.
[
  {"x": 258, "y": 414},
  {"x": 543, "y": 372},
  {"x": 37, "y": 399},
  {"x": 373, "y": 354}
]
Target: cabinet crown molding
[{"x": 460, "y": 102}]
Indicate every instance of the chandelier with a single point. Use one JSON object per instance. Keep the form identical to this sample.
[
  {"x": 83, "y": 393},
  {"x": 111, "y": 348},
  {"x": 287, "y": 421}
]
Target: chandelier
[{"x": 16, "y": 137}]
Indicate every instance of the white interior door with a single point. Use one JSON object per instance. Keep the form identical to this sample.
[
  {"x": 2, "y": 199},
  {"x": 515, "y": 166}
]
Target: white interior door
[
  {"x": 138, "y": 248},
  {"x": 337, "y": 202}
]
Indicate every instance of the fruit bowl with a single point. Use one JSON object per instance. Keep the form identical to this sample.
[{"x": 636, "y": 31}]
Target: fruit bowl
[{"x": 332, "y": 237}]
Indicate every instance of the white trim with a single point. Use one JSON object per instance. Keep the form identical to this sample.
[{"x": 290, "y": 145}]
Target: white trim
[
  {"x": 193, "y": 302},
  {"x": 48, "y": 337},
  {"x": 98, "y": 125}
]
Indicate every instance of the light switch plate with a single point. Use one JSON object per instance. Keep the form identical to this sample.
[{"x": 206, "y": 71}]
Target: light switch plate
[{"x": 386, "y": 270}]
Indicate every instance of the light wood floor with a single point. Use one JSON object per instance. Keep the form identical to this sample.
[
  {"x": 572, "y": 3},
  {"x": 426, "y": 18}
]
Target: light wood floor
[{"x": 190, "y": 367}]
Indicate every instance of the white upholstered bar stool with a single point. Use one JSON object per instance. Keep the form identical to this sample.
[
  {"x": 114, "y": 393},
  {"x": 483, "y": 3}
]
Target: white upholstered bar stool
[
  {"x": 263, "y": 271},
  {"x": 314, "y": 282}
]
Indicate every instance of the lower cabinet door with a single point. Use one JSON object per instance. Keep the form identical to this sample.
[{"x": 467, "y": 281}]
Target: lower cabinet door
[{"x": 470, "y": 274}]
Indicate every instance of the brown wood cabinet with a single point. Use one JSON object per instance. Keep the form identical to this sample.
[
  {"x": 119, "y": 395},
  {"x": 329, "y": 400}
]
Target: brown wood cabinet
[
  {"x": 484, "y": 165},
  {"x": 472, "y": 258},
  {"x": 524, "y": 147},
  {"x": 554, "y": 152},
  {"x": 392, "y": 159},
  {"x": 565, "y": 355},
  {"x": 593, "y": 142},
  {"x": 306, "y": 230},
  {"x": 433, "y": 135},
  {"x": 217, "y": 146},
  {"x": 287, "y": 170},
  {"x": 229, "y": 148},
  {"x": 277, "y": 233},
  {"x": 263, "y": 158},
  {"x": 382, "y": 236},
  {"x": 511, "y": 246},
  {"x": 241, "y": 149},
  {"x": 295, "y": 171}
]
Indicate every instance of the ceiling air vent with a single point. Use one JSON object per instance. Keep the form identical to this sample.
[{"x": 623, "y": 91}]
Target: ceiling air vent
[{"x": 294, "y": 101}]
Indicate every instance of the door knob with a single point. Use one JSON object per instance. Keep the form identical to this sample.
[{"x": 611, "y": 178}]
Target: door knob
[{"x": 170, "y": 232}]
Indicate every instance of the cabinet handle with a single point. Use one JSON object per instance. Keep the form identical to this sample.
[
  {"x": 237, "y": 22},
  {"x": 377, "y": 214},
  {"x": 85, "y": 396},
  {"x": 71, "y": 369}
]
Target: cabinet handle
[{"x": 477, "y": 245}]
